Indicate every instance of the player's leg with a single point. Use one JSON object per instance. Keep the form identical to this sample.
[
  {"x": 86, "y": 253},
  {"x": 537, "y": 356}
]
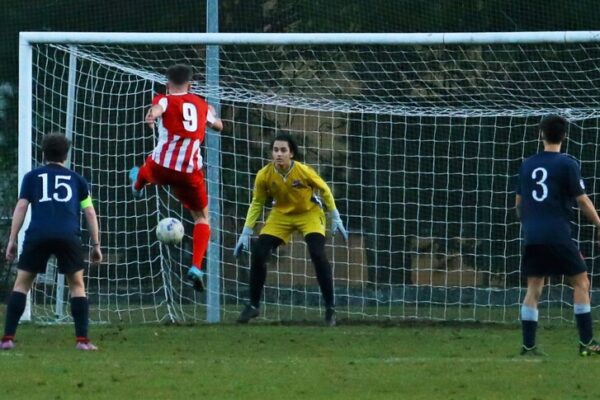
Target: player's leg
[
  {"x": 70, "y": 262},
  {"x": 139, "y": 177},
  {"x": 261, "y": 252},
  {"x": 80, "y": 310},
  {"x": 316, "y": 248},
  {"x": 312, "y": 226},
  {"x": 583, "y": 314},
  {"x": 32, "y": 261},
  {"x": 535, "y": 264},
  {"x": 190, "y": 190},
  {"x": 529, "y": 313},
  {"x": 16, "y": 306},
  {"x": 201, "y": 238}
]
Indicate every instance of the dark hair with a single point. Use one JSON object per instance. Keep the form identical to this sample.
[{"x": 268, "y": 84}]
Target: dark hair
[
  {"x": 55, "y": 147},
  {"x": 554, "y": 129},
  {"x": 179, "y": 74},
  {"x": 286, "y": 137}
]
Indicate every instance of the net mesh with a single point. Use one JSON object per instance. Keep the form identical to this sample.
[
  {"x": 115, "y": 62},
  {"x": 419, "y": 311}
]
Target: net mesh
[{"x": 420, "y": 145}]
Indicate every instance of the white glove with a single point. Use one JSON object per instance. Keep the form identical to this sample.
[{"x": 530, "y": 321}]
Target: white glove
[
  {"x": 243, "y": 242},
  {"x": 337, "y": 224}
]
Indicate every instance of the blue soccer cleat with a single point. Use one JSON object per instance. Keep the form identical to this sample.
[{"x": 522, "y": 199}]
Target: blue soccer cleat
[
  {"x": 133, "y": 174},
  {"x": 196, "y": 275}
]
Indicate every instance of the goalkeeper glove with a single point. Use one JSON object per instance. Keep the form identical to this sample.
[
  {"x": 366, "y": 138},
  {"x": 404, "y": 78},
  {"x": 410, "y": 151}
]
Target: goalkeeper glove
[
  {"x": 337, "y": 224},
  {"x": 243, "y": 242}
]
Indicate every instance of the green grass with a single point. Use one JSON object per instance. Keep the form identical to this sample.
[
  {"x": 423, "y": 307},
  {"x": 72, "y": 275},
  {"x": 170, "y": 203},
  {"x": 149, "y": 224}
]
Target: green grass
[{"x": 405, "y": 360}]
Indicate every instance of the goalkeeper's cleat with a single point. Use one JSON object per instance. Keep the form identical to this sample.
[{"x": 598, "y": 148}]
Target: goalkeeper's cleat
[
  {"x": 7, "y": 344},
  {"x": 593, "y": 347},
  {"x": 330, "y": 319},
  {"x": 532, "y": 352},
  {"x": 196, "y": 275},
  {"x": 85, "y": 345},
  {"x": 133, "y": 174},
  {"x": 247, "y": 314}
]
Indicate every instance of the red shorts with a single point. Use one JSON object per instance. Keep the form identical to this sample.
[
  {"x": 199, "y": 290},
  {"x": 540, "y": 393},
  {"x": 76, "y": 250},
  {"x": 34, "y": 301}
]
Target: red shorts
[{"x": 189, "y": 188}]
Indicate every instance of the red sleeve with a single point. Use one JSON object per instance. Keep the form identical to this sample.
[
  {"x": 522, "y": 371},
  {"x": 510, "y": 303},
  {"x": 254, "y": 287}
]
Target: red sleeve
[{"x": 157, "y": 98}]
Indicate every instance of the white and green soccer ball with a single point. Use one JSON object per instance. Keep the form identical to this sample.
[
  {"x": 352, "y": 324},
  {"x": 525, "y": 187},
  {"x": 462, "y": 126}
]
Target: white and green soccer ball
[{"x": 169, "y": 231}]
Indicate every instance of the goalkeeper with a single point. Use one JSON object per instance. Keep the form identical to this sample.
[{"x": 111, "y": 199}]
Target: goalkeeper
[{"x": 296, "y": 207}]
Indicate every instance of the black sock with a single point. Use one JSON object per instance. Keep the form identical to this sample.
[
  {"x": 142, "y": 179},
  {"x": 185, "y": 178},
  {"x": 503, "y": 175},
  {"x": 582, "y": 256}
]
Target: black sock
[
  {"x": 325, "y": 279},
  {"x": 14, "y": 311},
  {"x": 261, "y": 252},
  {"x": 316, "y": 248},
  {"x": 584, "y": 326},
  {"x": 258, "y": 275},
  {"x": 80, "y": 310},
  {"x": 529, "y": 328}
]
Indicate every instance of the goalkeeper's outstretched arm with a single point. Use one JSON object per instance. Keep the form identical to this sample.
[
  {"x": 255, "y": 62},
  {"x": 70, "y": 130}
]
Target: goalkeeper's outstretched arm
[
  {"x": 334, "y": 214},
  {"x": 259, "y": 197}
]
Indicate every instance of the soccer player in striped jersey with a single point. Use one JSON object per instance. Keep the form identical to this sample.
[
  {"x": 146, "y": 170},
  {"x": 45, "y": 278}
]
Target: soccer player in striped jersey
[
  {"x": 549, "y": 185},
  {"x": 181, "y": 118},
  {"x": 292, "y": 186},
  {"x": 56, "y": 195}
]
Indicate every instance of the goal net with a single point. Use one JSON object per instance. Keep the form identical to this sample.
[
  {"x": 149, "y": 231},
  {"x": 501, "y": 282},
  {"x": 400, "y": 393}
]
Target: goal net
[{"x": 419, "y": 143}]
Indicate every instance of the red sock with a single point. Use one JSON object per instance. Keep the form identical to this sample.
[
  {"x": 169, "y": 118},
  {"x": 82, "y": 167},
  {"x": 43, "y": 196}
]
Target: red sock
[{"x": 201, "y": 238}]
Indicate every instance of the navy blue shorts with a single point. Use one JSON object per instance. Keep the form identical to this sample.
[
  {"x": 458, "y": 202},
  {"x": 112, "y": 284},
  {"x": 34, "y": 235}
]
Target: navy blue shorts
[
  {"x": 36, "y": 252},
  {"x": 541, "y": 260}
]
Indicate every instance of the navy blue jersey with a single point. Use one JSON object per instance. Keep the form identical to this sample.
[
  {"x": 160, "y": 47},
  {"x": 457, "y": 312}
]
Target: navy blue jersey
[
  {"x": 55, "y": 193},
  {"x": 549, "y": 182}
]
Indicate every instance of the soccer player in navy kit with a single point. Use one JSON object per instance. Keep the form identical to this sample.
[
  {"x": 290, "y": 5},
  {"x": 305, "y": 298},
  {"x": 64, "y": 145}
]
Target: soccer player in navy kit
[
  {"x": 56, "y": 195},
  {"x": 549, "y": 185}
]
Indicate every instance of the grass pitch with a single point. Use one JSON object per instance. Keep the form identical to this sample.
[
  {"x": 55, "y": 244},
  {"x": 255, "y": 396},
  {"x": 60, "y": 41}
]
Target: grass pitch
[{"x": 260, "y": 361}]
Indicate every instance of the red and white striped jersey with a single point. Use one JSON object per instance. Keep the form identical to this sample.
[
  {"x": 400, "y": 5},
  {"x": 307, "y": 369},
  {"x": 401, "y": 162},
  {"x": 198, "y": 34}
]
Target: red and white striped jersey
[{"x": 181, "y": 131}]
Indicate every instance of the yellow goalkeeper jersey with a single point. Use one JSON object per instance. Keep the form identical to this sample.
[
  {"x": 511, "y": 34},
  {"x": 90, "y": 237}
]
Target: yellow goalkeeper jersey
[{"x": 293, "y": 192}]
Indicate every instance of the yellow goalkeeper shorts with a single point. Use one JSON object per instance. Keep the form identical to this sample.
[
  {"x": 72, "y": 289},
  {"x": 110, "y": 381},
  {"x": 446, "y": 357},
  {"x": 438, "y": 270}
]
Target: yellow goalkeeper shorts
[{"x": 283, "y": 225}]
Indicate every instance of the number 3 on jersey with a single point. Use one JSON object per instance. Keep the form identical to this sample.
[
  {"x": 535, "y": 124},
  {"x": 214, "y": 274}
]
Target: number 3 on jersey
[
  {"x": 190, "y": 117},
  {"x": 540, "y": 181}
]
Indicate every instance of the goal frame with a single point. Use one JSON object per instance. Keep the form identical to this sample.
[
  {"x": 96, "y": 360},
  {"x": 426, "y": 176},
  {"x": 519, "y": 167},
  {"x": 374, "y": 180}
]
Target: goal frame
[{"x": 213, "y": 41}]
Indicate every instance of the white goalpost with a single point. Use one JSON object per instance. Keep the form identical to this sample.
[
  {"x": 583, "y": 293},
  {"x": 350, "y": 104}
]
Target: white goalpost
[{"x": 419, "y": 136}]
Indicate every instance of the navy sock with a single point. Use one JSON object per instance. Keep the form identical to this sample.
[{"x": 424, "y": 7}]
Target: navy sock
[
  {"x": 14, "y": 311},
  {"x": 529, "y": 328},
  {"x": 80, "y": 310},
  {"x": 529, "y": 318},
  {"x": 584, "y": 326}
]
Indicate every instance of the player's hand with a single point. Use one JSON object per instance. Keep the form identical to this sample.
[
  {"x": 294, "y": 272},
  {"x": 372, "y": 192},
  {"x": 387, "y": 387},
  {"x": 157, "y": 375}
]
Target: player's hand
[
  {"x": 243, "y": 242},
  {"x": 598, "y": 235},
  {"x": 96, "y": 255},
  {"x": 337, "y": 224},
  {"x": 150, "y": 119},
  {"x": 11, "y": 251},
  {"x": 212, "y": 110}
]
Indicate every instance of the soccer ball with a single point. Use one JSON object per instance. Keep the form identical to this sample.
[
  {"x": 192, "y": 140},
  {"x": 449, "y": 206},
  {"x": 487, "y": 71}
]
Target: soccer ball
[{"x": 169, "y": 231}]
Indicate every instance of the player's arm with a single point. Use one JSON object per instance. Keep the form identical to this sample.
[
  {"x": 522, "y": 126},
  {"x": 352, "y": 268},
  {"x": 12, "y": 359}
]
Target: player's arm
[
  {"x": 16, "y": 225},
  {"x": 156, "y": 111},
  {"x": 259, "y": 196},
  {"x": 318, "y": 183},
  {"x": 518, "y": 201},
  {"x": 336, "y": 221},
  {"x": 576, "y": 188},
  {"x": 212, "y": 120},
  {"x": 92, "y": 224},
  {"x": 587, "y": 208}
]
